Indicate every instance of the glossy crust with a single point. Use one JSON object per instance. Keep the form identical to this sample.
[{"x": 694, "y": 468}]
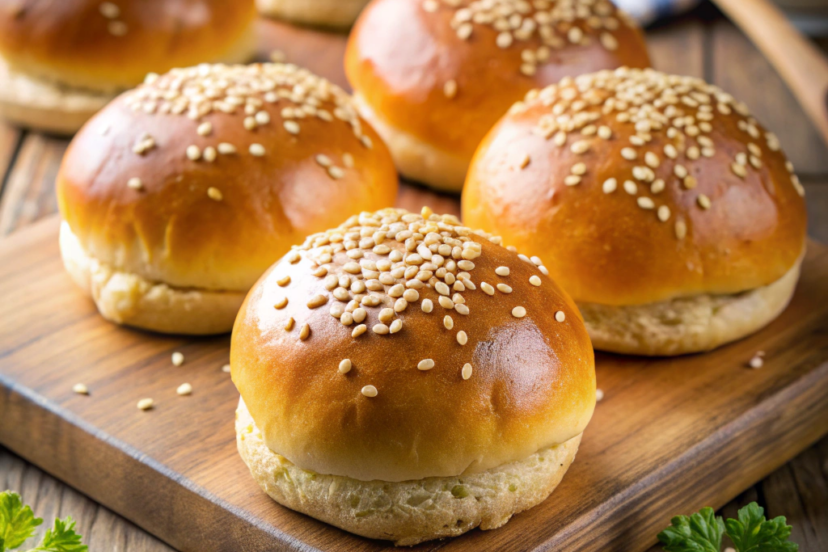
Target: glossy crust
[
  {"x": 217, "y": 225},
  {"x": 408, "y": 512},
  {"x": 614, "y": 248},
  {"x": 400, "y": 58},
  {"x": 532, "y": 384},
  {"x": 327, "y": 13},
  {"x": 83, "y": 44}
]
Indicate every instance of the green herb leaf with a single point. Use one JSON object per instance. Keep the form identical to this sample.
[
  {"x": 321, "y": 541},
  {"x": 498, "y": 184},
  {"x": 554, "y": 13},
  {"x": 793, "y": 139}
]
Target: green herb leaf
[
  {"x": 753, "y": 533},
  {"x": 701, "y": 532},
  {"x": 61, "y": 538},
  {"x": 17, "y": 522}
]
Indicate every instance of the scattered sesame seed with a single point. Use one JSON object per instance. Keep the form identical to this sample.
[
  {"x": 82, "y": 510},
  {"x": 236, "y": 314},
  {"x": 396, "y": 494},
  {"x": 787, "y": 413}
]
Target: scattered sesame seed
[
  {"x": 257, "y": 150},
  {"x": 380, "y": 329},
  {"x": 580, "y": 147},
  {"x": 117, "y": 28},
  {"x": 572, "y": 180},
  {"x": 80, "y": 389},
  {"x": 645, "y": 203},
  {"x": 462, "y": 338},
  {"x": 560, "y": 316},
  {"x": 135, "y": 183},
  {"x": 396, "y": 326},
  {"x": 345, "y": 366},
  {"x": 681, "y": 229},
  {"x": 502, "y": 271},
  {"x": 663, "y": 213},
  {"x": 184, "y": 389},
  {"x": 317, "y": 301},
  {"x": 226, "y": 368},
  {"x": 204, "y": 129},
  {"x": 450, "y": 89},
  {"x": 284, "y": 280},
  {"x": 466, "y": 372},
  {"x": 599, "y": 395},
  {"x": 535, "y": 280},
  {"x": 109, "y": 10},
  {"x": 226, "y": 149},
  {"x": 610, "y": 185},
  {"x": 524, "y": 161},
  {"x": 756, "y": 362},
  {"x": 146, "y": 404},
  {"x": 448, "y": 322},
  {"x": 193, "y": 153},
  {"x": 304, "y": 332},
  {"x": 503, "y": 288},
  {"x": 281, "y": 303},
  {"x": 359, "y": 330},
  {"x": 369, "y": 391},
  {"x": 292, "y": 127},
  {"x": 629, "y": 154},
  {"x": 518, "y": 312},
  {"x": 488, "y": 289},
  {"x": 426, "y": 364},
  {"x": 703, "y": 201},
  {"x": 427, "y": 305},
  {"x": 177, "y": 358},
  {"x": 209, "y": 154},
  {"x": 630, "y": 187},
  {"x": 214, "y": 194}
]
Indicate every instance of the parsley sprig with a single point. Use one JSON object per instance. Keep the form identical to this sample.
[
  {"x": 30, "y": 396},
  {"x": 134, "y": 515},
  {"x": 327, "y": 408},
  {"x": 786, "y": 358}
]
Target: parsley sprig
[
  {"x": 18, "y": 523},
  {"x": 750, "y": 532}
]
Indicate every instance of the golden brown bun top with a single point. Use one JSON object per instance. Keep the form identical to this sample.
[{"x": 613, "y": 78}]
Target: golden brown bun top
[
  {"x": 636, "y": 187},
  {"x": 445, "y": 71},
  {"x": 203, "y": 177},
  {"x": 96, "y": 44},
  {"x": 409, "y": 302}
]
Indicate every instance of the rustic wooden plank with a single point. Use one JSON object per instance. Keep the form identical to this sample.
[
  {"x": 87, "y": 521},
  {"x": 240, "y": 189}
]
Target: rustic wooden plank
[
  {"x": 678, "y": 47},
  {"x": 9, "y": 140},
  {"x": 816, "y": 199},
  {"x": 740, "y": 69},
  {"x": 29, "y": 194},
  {"x": 650, "y": 451}
]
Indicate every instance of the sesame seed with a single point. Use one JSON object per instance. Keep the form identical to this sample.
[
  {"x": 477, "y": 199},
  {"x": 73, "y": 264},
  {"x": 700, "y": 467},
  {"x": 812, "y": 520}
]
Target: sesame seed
[
  {"x": 756, "y": 362},
  {"x": 630, "y": 187},
  {"x": 80, "y": 389},
  {"x": 345, "y": 366},
  {"x": 226, "y": 368},
  {"x": 518, "y": 312},
  {"x": 193, "y": 153},
  {"x": 488, "y": 289},
  {"x": 572, "y": 180},
  {"x": 304, "y": 332},
  {"x": 503, "y": 288},
  {"x": 703, "y": 201},
  {"x": 461, "y": 308},
  {"x": 504, "y": 40},
  {"x": 359, "y": 330},
  {"x": 466, "y": 372},
  {"x": 317, "y": 301},
  {"x": 663, "y": 213},
  {"x": 652, "y": 159},
  {"x": 257, "y": 150},
  {"x": 629, "y": 154},
  {"x": 209, "y": 154},
  {"x": 579, "y": 147},
  {"x": 599, "y": 395},
  {"x": 204, "y": 129},
  {"x": 284, "y": 280},
  {"x": 427, "y": 305},
  {"x": 448, "y": 322},
  {"x": 739, "y": 170},
  {"x": 146, "y": 404},
  {"x": 657, "y": 186},
  {"x": 109, "y": 10},
  {"x": 535, "y": 280},
  {"x": 226, "y": 149},
  {"x": 117, "y": 28},
  {"x": 281, "y": 303},
  {"x": 135, "y": 183},
  {"x": 359, "y": 315},
  {"x": 645, "y": 203},
  {"x": 502, "y": 271},
  {"x": 184, "y": 389},
  {"x": 214, "y": 194},
  {"x": 177, "y": 358},
  {"x": 578, "y": 169},
  {"x": 450, "y": 89},
  {"x": 609, "y": 185},
  {"x": 604, "y": 132},
  {"x": 560, "y": 316},
  {"x": 289, "y": 324},
  {"x": 369, "y": 391},
  {"x": 292, "y": 127},
  {"x": 690, "y": 182},
  {"x": 380, "y": 329},
  {"x": 336, "y": 172},
  {"x": 681, "y": 229},
  {"x": 426, "y": 364},
  {"x": 442, "y": 288},
  {"x": 396, "y": 326}
]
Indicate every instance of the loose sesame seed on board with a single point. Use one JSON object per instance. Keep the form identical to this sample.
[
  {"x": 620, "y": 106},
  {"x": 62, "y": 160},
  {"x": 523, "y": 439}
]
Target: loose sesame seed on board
[
  {"x": 680, "y": 112},
  {"x": 538, "y": 28}
]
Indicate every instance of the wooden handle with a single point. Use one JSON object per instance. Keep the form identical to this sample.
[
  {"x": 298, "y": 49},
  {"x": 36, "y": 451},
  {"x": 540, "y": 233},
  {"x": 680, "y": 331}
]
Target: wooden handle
[{"x": 803, "y": 67}]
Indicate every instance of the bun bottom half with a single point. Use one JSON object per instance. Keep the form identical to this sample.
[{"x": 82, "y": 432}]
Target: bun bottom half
[
  {"x": 687, "y": 324},
  {"x": 415, "y": 159},
  {"x": 407, "y": 512},
  {"x": 326, "y": 13},
  {"x": 46, "y": 106},
  {"x": 129, "y": 299}
]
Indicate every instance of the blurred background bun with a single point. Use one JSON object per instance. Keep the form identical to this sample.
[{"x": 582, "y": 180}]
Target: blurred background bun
[
  {"x": 407, "y": 378},
  {"x": 433, "y": 76},
  {"x": 62, "y": 61},
  {"x": 325, "y": 13},
  {"x": 180, "y": 193},
  {"x": 662, "y": 206}
]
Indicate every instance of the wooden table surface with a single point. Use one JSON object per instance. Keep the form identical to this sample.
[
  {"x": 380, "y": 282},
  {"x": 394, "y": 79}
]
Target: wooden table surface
[{"x": 703, "y": 44}]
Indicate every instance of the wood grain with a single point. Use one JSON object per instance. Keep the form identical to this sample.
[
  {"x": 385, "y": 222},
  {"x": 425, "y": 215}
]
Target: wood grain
[{"x": 671, "y": 435}]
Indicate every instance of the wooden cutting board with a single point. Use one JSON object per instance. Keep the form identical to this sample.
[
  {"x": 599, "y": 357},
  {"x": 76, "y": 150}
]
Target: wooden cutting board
[{"x": 670, "y": 436}]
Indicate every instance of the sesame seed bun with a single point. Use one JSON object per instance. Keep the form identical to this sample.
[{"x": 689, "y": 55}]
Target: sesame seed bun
[
  {"x": 397, "y": 349},
  {"x": 435, "y": 75},
  {"x": 644, "y": 189},
  {"x": 326, "y": 13},
  {"x": 407, "y": 512},
  {"x": 62, "y": 61},
  {"x": 201, "y": 178}
]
